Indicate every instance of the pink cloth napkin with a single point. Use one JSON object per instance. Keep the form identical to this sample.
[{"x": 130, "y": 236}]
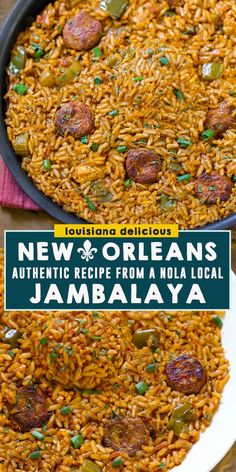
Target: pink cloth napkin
[{"x": 11, "y": 194}]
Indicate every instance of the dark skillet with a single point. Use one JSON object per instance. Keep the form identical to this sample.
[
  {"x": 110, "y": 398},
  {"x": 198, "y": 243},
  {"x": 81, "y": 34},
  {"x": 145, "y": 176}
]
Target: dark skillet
[{"x": 20, "y": 17}]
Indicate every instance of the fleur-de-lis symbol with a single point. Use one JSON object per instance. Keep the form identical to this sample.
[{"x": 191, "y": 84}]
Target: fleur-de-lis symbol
[{"x": 87, "y": 251}]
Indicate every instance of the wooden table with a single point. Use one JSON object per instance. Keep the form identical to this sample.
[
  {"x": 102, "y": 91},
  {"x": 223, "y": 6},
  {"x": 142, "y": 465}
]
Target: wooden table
[{"x": 19, "y": 219}]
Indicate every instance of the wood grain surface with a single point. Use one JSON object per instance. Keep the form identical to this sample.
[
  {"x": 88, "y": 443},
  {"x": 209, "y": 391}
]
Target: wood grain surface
[{"x": 17, "y": 219}]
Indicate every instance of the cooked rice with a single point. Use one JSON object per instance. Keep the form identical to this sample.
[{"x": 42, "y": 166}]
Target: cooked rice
[
  {"x": 112, "y": 366},
  {"x": 149, "y": 116}
]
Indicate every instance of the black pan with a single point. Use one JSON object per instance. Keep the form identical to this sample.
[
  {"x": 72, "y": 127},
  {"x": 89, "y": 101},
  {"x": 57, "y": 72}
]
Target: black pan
[{"x": 21, "y": 16}]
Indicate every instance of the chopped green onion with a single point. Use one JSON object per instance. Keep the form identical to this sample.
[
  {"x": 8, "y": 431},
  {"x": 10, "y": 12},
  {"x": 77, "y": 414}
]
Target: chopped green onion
[
  {"x": 21, "y": 89},
  {"x": 97, "y": 52},
  {"x": 98, "y": 81},
  {"x": 208, "y": 134},
  {"x": 234, "y": 178},
  {"x": 96, "y": 338},
  {"x": 89, "y": 391},
  {"x": 66, "y": 410},
  {"x": 128, "y": 183},
  {"x": 35, "y": 455},
  {"x": 117, "y": 462},
  {"x": 141, "y": 387},
  {"x": 84, "y": 140},
  {"x": 164, "y": 61},
  {"x": 138, "y": 79},
  {"x": 151, "y": 368},
  {"x": 95, "y": 315},
  {"x": 37, "y": 435},
  {"x": 77, "y": 441},
  {"x": 94, "y": 147},
  {"x": 179, "y": 95},
  {"x": 113, "y": 113},
  {"x": 122, "y": 149},
  {"x": 181, "y": 178},
  {"x": 90, "y": 204},
  {"x": 184, "y": 143},
  {"x": 47, "y": 165},
  {"x": 217, "y": 321},
  {"x": 84, "y": 330},
  {"x": 43, "y": 341},
  {"x": 11, "y": 354}
]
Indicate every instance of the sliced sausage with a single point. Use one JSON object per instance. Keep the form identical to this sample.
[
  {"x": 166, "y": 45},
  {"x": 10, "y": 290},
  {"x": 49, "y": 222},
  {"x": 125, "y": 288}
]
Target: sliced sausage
[
  {"x": 185, "y": 374},
  {"x": 142, "y": 166},
  {"x": 30, "y": 410},
  {"x": 126, "y": 434},
  {"x": 74, "y": 118},
  {"x": 210, "y": 187},
  {"x": 82, "y": 32},
  {"x": 221, "y": 119}
]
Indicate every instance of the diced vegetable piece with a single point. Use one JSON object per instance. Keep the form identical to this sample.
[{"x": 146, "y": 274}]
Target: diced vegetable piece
[
  {"x": 47, "y": 79},
  {"x": 37, "y": 435},
  {"x": 18, "y": 61},
  {"x": 113, "y": 113},
  {"x": 47, "y": 165},
  {"x": 35, "y": 455},
  {"x": 151, "y": 368},
  {"x": 94, "y": 147},
  {"x": 77, "y": 441},
  {"x": 97, "y": 52},
  {"x": 101, "y": 192},
  {"x": 182, "y": 178},
  {"x": 170, "y": 13},
  {"x": 84, "y": 140},
  {"x": 69, "y": 74},
  {"x": 138, "y": 79},
  {"x": 181, "y": 417},
  {"x": 141, "y": 387},
  {"x": 115, "y": 8},
  {"x": 117, "y": 462},
  {"x": 21, "y": 89},
  {"x": 217, "y": 321},
  {"x": 39, "y": 52},
  {"x": 10, "y": 336},
  {"x": 43, "y": 341},
  {"x": 184, "y": 143},
  {"x": 98, "y": 81},
  {"x": 164, "y": 61},
  {"x": 122, "y": 149},
  {"x": 212, "y": 70},
  {"x": 66, "y": 410},
  {"x": 175, "y": 166},
  {"x": 90, "y": 466},
  {"x": 142, "y": 337},
  {"x": 128, "y": 183},
  {"x": 113, "y": 59},
  {"x": 179, "y": 95},
  {"x": 167, "y": 203},
  {"x": 20, "y": 145},
  {"x": 11, "y": 354},
  {"x": 90, "y": 204},
  {"x": 208, "y": 134}
]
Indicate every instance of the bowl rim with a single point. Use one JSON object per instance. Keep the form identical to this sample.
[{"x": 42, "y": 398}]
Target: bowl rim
[{"x": 13, "y": 24}]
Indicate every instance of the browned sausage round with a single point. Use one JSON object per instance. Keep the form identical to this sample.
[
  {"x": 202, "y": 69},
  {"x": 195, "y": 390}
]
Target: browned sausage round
[
  {"x": 126, "y": 434},
  {"x": 221, "y": 119},
  {"x": 30, "y": 410},
  {"x": 210, "y": 187},
  {"x": 82, "y": 32},
  {"x": 185, "y": 374},
  {"x": 142, "y": 166},
  {"x": 74, "y": 118}
]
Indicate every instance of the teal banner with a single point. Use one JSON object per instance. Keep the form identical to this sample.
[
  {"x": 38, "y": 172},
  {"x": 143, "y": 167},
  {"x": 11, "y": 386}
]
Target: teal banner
[{"x": 44, "y": 272}]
